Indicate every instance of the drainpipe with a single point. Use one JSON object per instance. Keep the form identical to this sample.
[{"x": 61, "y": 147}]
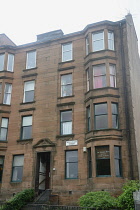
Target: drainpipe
[{"x": 126, "y": 102}]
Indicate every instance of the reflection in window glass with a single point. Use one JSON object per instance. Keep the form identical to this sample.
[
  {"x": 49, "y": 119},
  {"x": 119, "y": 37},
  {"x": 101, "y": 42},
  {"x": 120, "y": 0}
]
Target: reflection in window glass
[
  {"x": 4, "y": 129},
  {"x": 26, "y": 130},
  {"x": 29, "y": 91},
  {"x": 71, "y": 164},
  {"x": 7, "y": 94},
  {"x": 10, "y": 64},
  {"x": 31, "y": 60},
  {"x": 110, "y": 40},
  {"x": 112, "y": 69}
]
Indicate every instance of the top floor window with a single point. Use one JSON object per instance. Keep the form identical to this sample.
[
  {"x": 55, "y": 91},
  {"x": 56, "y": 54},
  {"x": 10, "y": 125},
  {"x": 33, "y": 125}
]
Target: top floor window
[
  {"x": 110, "y": 40},
  {"x": 98, "y": 41},
  {"x": 10, "y": 63},
  {"x": 2, "y": 62},
  {"x": 66, "y": 52},
  {"x": 87, "y": 45},
  {"x": 31, "y": 60}
]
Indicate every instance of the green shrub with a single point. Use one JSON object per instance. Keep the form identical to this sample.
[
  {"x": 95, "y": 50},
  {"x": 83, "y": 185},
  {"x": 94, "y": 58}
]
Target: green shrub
[
  {"x": 99, "y": 200},
  {"x": 19, "y": 200},
  {"x": 125, "y": 200}
]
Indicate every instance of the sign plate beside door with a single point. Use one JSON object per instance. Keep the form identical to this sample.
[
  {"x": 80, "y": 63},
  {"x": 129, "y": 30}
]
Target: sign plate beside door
[{"x": 72, "y": 143}]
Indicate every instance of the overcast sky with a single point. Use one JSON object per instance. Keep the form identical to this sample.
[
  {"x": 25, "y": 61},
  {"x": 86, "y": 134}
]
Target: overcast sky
[{"x": 22, "y": 20}]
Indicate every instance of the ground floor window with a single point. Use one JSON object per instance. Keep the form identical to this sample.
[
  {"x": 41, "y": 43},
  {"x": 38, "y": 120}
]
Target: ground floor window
[
  {"x": 117, "y": 158},
  {"x": 71, "y": 164},
  {"x": 17, "y": 169},
  {"x": 89, "y": 163},
  {"x": 102, "y": 161},
  {"x": 1, "y": 167}
]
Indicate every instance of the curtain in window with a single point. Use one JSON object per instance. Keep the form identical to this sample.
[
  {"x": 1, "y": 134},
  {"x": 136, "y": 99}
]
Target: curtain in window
[
  {"x": 67, "y": 128},
  {"x": 7, "y": 94}
]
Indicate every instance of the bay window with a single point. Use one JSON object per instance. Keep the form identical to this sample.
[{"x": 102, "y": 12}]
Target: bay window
[
  {"x": 100, "y": 116},
  {"x": 98, "y": 41},
  {"x": 99, "y": 76}
]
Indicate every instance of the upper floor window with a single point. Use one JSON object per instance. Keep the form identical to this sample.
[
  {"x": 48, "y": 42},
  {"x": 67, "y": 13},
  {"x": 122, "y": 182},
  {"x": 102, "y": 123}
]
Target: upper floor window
[
  {"x": 101, "y": 116},
  {"x": 2, "y": 62},
  {"x": 10, "y": 63},
  {"x": 29, "y": 91},
  {"x": 117, "y": 159},
  {"x": 88, "y": 79},
  {"x": 112, "y": 69},
  {"x": 71, "y": 164},
  {"x": 7, "y": 94},
  {"x": 99, "y": 76},
  {"x": 66, "y": 85},
  {"x": 3, "y": 129},
  {"x": 26, "y": 130},
  {"x": 66, "y": 122},
  {"x": 31, "y": 60},
  {"x": 98, "y": 41},
  {"x": 1, "y": 167},
  {"x": 88, "y": 119},
  {"x": 114, "y": 115},
  {"x": 66, "y": 52},
  {"x": 87, "y": 45},
  {"x": 102, "y": 161},
  {"x": 110, "y": 40},
  {"x": 17, "y": 169}
]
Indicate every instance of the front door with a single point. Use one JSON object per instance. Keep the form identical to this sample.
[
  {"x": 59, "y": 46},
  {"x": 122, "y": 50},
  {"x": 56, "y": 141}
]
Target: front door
[{"x": 43, "y": 171}]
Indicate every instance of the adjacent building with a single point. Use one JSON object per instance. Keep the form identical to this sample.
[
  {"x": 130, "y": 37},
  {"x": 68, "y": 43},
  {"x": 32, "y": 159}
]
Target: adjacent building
[{"x": 69, "y": 111}]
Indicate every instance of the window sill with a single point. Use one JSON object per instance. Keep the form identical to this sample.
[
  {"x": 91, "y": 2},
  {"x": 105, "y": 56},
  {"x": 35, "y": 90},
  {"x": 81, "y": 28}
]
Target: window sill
[
  {"x": 66, "y": 61},
  {"x": 71, "y": 178},
  {"x": 107, "y": 129},
  {"x": 15, "y": 182},
  {"x": 65, "y": 97},
  {"x": 64, "y": 136},
  {"x": 5, "y": 104},
  {"x": 24, "y": 103},
  {"x": 3, "y": 141},
  {"x": 24, "y": 140},
  {"x": 6, "y": 71},
  {"x": 30, "y": 69}
]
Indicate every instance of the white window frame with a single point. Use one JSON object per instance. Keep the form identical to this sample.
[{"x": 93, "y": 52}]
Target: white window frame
[
  {"x": 16, "y": 165},
  {"x": 25, "y": 91},
  {"x": 87, "y": 45},
  {"x": 12, "y": 65},
  {"x": 27, "y": 60},
  {"x": 7, "y": 95},
  {"x": 25, "y": 126},
  {"x": 71, "y": 50},
  {"x": 97, "y": 40},
  {"x": 88, "y": 79},
  {"x": 65, "y": 123}
]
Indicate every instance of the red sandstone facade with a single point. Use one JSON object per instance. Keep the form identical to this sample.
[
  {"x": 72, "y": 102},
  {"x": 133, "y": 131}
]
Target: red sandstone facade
[{"x": 66, "y": 112}]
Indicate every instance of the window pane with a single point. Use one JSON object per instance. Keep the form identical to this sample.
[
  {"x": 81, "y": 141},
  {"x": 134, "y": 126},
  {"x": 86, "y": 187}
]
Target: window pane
[
  {"x": 10, "y": 64},
  {"x": 67, "y": 56},
  {"x": 17, "y": 174},
  {"x": 3, "y": 134},
  {"x": 66, "y": 79},
  {"x": 29, "y": 85},
  {"x": 71, "y": 156},
  {"x": 66, "y": 116},
  {"x": 117, "y": 157},
  {"x": 100, "y": 82},
  {"x": 111, "y": 40},
  {"x": 98, "y": 36},
  {"x": 66, "y": 90},
  {"x": 27, "y": 121},
  {"x": 1, "y": 167},
  {"x": 2, "y": 62},
  {"x": 27, "y": 132},
  {"x": 101, "y": 109},
  {"x": 98, "y": 41},
  {"x": 66, "y": 128},
  {"x": 67, "y": 47},
  {"x": 18, "y": 160},
  {"x": 99, "y": 70},
  {"x": 31, "y": 60},
  {"x": 4, "y": 122},
  {"x": 101, "y": 122},
  {"x": 29, "y": 96}
]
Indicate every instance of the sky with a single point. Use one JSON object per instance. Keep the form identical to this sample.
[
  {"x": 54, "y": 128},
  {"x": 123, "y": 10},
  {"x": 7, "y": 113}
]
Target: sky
[{"x": 22, "y": 20}]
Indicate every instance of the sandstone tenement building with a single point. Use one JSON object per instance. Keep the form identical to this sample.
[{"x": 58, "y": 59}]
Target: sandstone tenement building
[{"x": 69, "y": 111}]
